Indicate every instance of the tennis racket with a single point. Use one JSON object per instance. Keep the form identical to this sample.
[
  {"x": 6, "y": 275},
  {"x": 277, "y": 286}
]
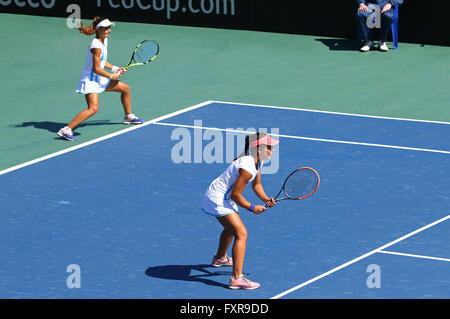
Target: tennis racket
[
  {"x": 301, "y": 183},
  {"x": 145, "y": 52}
]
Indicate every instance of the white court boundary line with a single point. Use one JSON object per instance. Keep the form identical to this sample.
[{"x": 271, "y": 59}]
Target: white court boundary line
[
  {"x": 412, "y": 255},
  {"x": 134, "y": 127},
  {"x": 309, "y": 138},
  {"x": 330, "y": 112},
  {"x": 70, "y": 149},
  {"x": 377, "y": 250}
]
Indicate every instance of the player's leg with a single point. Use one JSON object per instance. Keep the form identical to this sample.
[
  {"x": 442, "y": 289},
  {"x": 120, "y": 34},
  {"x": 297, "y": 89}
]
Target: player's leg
[
  {"x": 221, "y": 258},
  {"x": 233, "y": 224},
  {"x": 125, "y": 96},
  {"x": 92, "y": 102}
]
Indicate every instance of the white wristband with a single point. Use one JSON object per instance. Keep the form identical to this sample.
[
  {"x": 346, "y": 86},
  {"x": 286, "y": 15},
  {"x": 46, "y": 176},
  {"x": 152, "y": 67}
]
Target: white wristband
[{"x": 114, "y": 69}]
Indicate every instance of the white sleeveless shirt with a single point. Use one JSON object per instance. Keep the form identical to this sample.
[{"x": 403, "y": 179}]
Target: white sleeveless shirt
[
  {"x": 216, "y": 200},
  {"x": 91, "y": 82}
]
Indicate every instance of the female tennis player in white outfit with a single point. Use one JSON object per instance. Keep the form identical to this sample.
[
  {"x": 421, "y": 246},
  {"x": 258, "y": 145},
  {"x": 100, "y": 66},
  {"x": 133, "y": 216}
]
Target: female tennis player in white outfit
[
  {"x": 94, "y": 79},
  {"x": 223, "y": 197}
]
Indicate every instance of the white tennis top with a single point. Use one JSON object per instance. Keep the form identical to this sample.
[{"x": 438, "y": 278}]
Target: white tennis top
[
  {"x": 89, "y": 67},
  {"x": 220, "y": 189},
  {"x": 91, "y": 82}
]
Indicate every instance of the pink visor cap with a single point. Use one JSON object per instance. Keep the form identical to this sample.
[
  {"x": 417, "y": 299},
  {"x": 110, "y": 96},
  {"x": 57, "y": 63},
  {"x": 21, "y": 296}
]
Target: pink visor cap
[{"x": 266, "y": 140}]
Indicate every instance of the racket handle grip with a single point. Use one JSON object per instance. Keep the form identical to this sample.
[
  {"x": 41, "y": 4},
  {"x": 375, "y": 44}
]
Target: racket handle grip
[{"x": 265, "y": 204}]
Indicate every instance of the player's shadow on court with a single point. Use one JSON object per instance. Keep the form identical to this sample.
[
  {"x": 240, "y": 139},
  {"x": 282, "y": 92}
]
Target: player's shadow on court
[
  {"x": 340, "y": 44},
  {"x": 54, "y": 127},
  {"x": 198, "y": 273}
]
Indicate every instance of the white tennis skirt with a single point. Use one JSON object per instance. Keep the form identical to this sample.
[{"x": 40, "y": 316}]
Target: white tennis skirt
[
  {"x": 92, "y": 83},
  {"x": 218, "y": 209}
]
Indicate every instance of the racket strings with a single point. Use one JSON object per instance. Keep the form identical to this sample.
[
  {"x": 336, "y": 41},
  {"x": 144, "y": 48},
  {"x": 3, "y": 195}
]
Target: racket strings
[
  {"x": 146, "y": 51},
  {"x": 301, "y": 183}
]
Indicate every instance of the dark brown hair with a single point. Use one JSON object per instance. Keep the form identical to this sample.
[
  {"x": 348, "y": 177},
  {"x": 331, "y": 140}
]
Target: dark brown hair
[
  {"x": 248, "y": 140},
  {"x": 90, "y": 30}
]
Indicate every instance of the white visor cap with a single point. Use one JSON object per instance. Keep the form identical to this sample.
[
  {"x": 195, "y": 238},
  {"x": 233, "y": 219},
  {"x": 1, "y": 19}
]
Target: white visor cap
[{"x": 105, "y": 23}]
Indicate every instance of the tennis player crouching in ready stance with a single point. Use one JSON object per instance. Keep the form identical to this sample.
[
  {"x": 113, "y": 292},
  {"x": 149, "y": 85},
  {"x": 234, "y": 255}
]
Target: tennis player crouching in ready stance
[
  {"x": 223, "y": 196},
  {"x": 94, "y": 79}
]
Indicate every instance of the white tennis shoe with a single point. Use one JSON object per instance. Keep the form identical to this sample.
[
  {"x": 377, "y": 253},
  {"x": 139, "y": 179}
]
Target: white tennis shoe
[
  {"x": 367, "y": 47},
  {"x": 132, "y": 119},
  {"x": 383, "y": 47},
  {"x": 67, "y": 133}
]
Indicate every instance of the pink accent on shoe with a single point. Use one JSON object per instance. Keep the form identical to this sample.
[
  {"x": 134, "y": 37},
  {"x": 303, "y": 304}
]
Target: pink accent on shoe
[
  {"x": 243, "y": 283},
  {"x": 225, "y": 261}
]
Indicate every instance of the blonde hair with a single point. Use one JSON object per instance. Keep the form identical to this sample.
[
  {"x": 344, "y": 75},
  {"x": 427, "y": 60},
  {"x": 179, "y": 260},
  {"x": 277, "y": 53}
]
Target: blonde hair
[{"x": 90, "y": 30}]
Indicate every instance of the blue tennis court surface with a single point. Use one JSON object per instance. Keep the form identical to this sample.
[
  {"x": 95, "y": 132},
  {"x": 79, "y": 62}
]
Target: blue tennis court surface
[{"x": 129, "y": 216}]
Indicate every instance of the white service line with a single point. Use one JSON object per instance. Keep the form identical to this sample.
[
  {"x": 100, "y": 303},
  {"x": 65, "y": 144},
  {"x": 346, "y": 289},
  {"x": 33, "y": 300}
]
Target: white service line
[
  {"x": 329, "y": 112},
  {"x": 310, "y": 138},
  {"x": 237, "y": 104},
  {"x": 411, "y": 255},
  {"x": 134, "y": 127},
  {"x": 284, "y": 293}
]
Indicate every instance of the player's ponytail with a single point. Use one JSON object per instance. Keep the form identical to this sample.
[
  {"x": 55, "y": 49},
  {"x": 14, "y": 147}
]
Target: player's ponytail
[
  {"x": 247, "y": 144},
  {"x": 246, "y": 148},
  {"x": 248, "y": 140},
  {"x": 90, "y": 30}
]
